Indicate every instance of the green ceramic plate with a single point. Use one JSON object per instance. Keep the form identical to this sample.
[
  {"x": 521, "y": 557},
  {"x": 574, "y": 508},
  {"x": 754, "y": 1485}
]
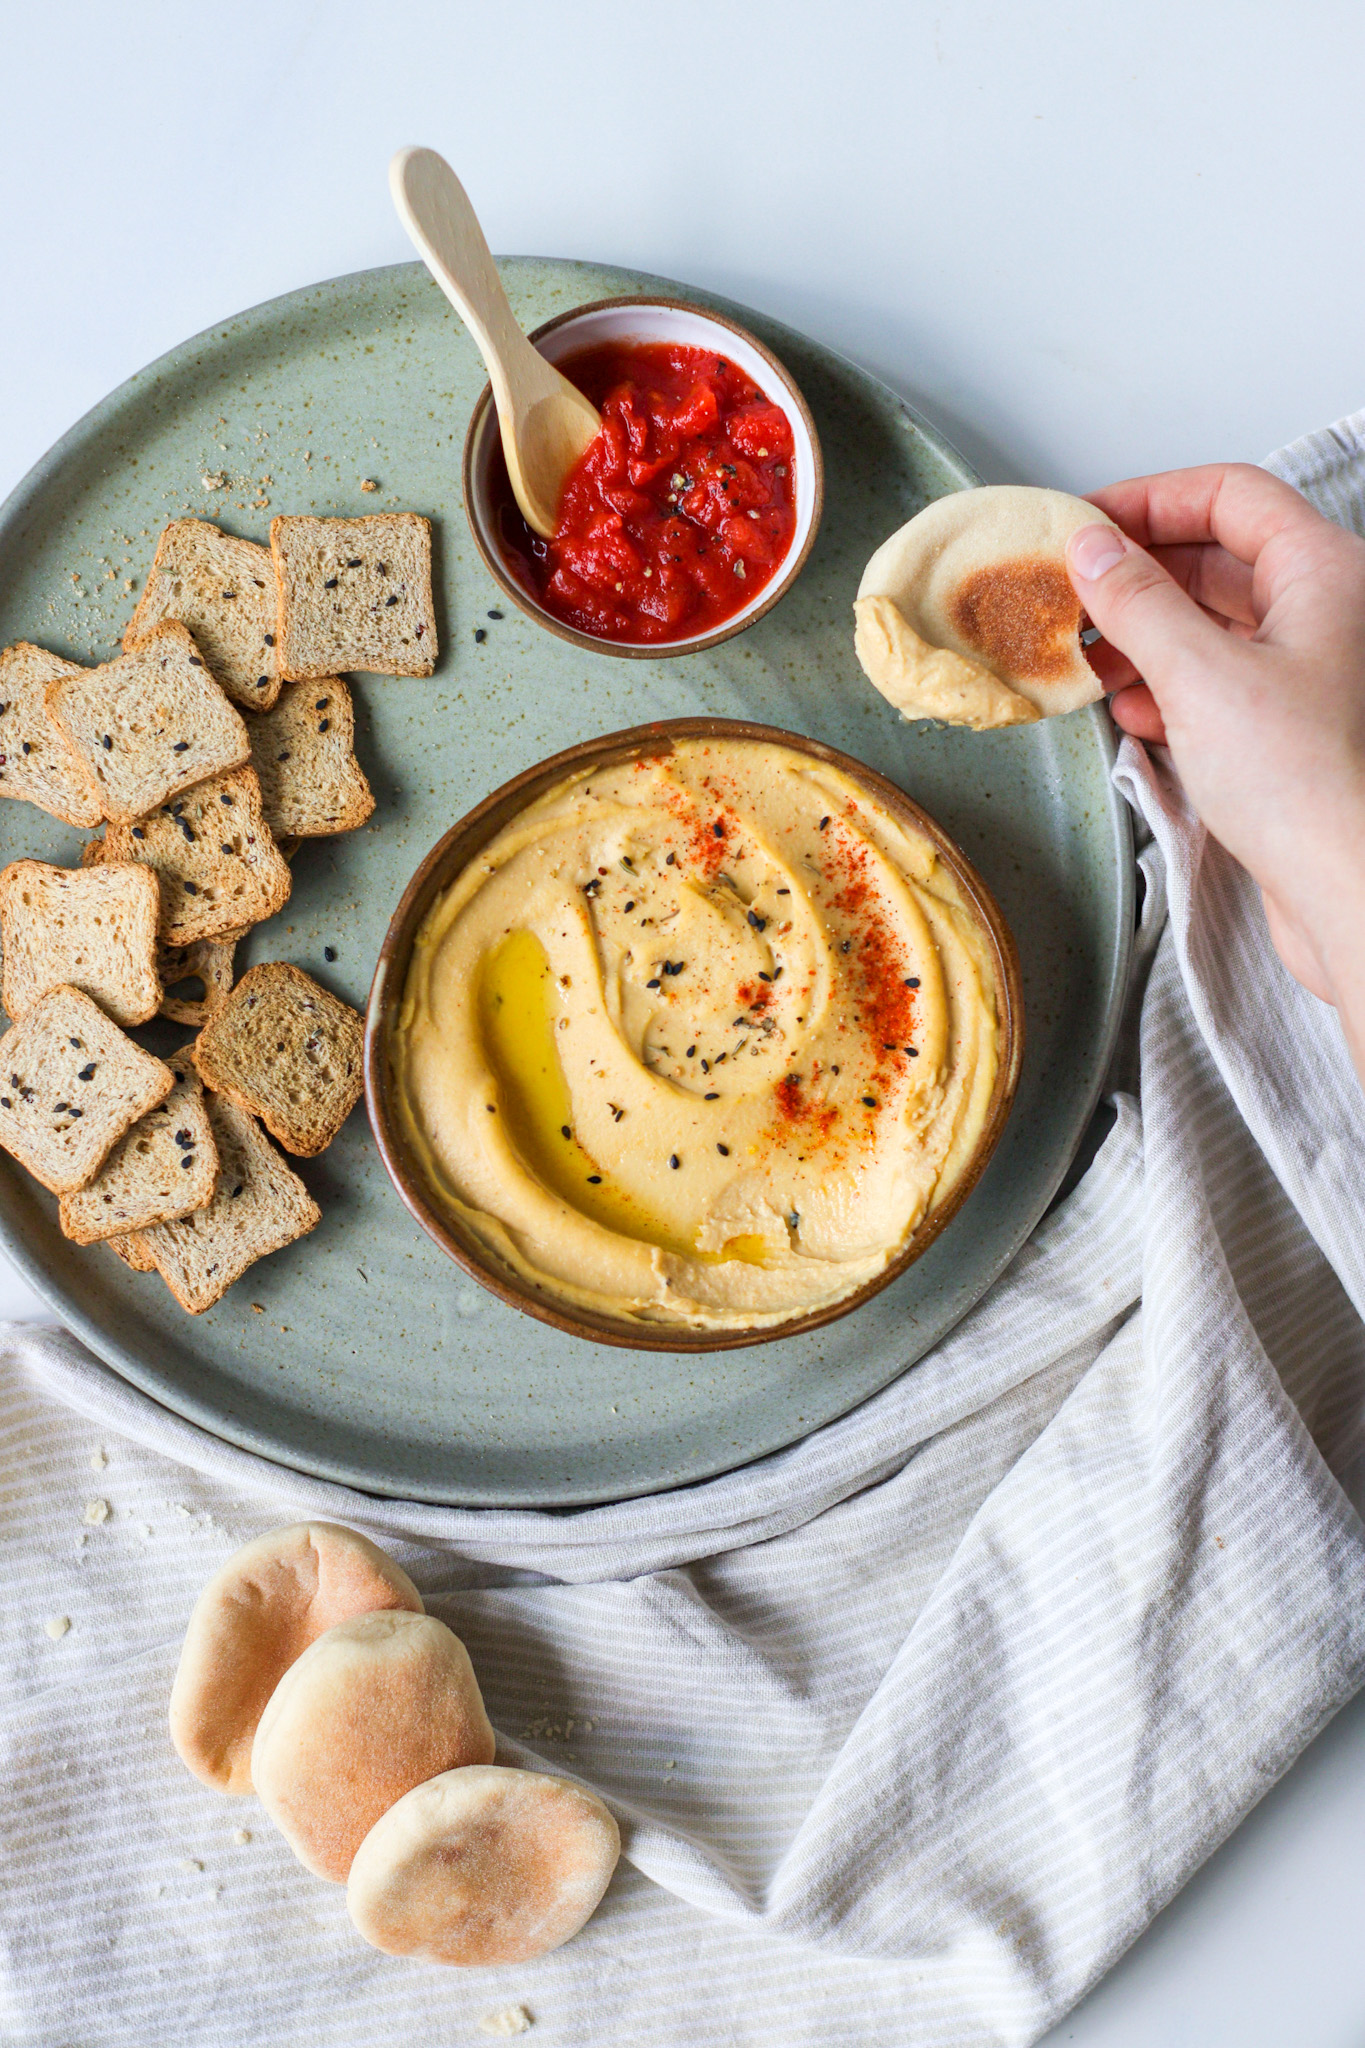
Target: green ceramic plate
[{"x": 361, "y": 1354}]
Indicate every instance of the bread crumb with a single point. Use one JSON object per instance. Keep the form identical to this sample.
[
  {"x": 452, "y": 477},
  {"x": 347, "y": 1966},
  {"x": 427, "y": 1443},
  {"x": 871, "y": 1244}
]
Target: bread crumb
[
  {"x": 214, "y": 480},
  {"x": 513, "y": 2019},
  {"x": 98, "y": 1460},
  {"x": 367, "y": 483},
  {"x": 190, "y": 1863},
  {"x": 241, "y": 1836},
  {"x": 258, "y": 1308},
  {"x": 56, "y": 1626},
  {"x": 97, "y": 1511}
]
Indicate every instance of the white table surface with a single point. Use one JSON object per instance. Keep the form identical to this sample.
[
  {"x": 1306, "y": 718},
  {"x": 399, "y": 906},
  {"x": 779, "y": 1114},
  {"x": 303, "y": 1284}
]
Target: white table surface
[{"x": 1086, "y": 241}]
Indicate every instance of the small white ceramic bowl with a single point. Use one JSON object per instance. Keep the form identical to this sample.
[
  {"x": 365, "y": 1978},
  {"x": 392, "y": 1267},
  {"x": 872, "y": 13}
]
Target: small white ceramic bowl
[{"x": 656, "y": 320}]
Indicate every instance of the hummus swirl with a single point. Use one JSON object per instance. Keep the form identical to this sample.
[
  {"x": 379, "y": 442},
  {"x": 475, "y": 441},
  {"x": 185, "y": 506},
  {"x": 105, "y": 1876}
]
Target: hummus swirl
[{"x": 699, "y": 1038}]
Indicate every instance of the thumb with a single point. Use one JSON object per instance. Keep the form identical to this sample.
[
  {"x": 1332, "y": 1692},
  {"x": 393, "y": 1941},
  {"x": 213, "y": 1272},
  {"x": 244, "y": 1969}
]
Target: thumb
[{"x": 1137, "y": 606}]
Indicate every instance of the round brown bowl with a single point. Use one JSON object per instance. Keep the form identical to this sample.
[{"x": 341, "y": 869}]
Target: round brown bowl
[
  {"x": 666, "y": 320},
  {"x": 465, "y": 841}
]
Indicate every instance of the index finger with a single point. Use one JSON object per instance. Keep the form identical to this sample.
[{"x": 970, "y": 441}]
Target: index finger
[{"x": 1234, "y": 503}]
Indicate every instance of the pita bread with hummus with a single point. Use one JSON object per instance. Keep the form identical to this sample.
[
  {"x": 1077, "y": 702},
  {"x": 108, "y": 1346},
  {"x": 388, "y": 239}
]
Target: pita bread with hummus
[{"x": 967, "y": 613}]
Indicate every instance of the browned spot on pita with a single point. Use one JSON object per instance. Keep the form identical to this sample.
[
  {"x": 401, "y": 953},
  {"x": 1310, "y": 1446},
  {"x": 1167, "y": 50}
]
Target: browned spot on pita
[{"x": 1022, "y": 615}]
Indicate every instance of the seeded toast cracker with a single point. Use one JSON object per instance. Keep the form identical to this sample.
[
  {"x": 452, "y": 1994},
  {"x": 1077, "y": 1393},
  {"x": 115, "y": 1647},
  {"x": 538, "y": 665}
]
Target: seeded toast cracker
[
  {"x": 223, "y": 589},
  {"x": 71, "y": 1084},
  {"x": 164, "y": 1167},
  {"x": 208, "y": 962},
  {"x": 258, "y": 1206},
  {"x": 354, "y": 594},
  {"x": 288, "y": 1051},
  {"x": 92, "y": 928},
  {"x": 147, "y": 724},
  {"x": 215, "y": 857},
  {"x": 37, "y": 763},
  {"x": 304, "y": 755}
]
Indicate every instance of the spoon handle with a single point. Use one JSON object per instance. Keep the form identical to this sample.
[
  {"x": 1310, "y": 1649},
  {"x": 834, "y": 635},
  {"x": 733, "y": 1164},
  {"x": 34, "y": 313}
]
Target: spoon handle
[{"x": 434, "y": 208}]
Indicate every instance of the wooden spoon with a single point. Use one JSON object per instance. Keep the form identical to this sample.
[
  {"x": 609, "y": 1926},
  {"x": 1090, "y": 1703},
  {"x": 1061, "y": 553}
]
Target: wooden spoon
[{"x": 546, "y": 423}]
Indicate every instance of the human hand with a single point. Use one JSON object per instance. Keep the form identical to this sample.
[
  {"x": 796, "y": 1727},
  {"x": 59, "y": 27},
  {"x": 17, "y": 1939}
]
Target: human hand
[{"x": 1233, "y": 618}]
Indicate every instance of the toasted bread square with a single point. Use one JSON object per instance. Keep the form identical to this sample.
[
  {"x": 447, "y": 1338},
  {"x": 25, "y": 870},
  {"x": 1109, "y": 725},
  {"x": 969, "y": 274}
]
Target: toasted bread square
[
  {"x": 207, "y": 965},
  {"x": 37, "y": 763},
  {"x": 71, "y": 1084},
  {"x": 288, "y": 1051},
  {"x": 223, "y": 589},
  {"x": 91, "y": 928},
  {"x": 165, "y": 1166},
  {"x": 129, "y": 1249},
  {"x": 354, "y": 594},
  {"x": 304, "y": 754},
  {"x": 147, "y": 724},
  {"x": 258, "y": 1206},
  {"x": 215, "y": 857}
]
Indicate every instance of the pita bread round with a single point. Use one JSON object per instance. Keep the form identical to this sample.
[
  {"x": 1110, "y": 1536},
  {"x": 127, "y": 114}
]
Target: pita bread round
[
  {"x": 254, "y": 1617},
  {"x": 483, "y": 1866},
  {"x": 991, "y": 623},
  {"x": 372, "y": 1708}
]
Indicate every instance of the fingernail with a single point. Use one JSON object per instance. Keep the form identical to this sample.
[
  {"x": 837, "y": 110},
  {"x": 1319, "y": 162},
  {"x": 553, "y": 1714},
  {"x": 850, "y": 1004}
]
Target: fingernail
[{"x": 1093, "y": 551}]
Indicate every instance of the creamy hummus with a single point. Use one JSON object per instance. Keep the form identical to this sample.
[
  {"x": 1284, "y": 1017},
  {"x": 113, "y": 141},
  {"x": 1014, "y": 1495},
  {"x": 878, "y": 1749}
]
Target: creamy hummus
[{"x": 699, "y": 1039}]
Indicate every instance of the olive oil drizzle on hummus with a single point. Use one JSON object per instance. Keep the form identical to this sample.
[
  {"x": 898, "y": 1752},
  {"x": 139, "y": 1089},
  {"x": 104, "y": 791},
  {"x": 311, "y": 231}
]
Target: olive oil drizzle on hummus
[{"x": 700, "y": 1038}]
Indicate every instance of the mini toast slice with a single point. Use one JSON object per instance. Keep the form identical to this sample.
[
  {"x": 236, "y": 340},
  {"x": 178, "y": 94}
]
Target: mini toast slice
[
  {"x": 147, "y": 724},
  {"x": 288, "y": 1051},
  {"x": 165, "y": 1166},
  {"x": 354, "y": 594},
  {"x": 304, "y": 754},
  {"x": 257, "y": 1206},
  {"x": 215, "y": 857},
  {"x": 91, "y": 928},
  {"x": 71, "y": 1084},
  {"x": 209, "y": 963},
  {"x": 36, "y": 761},
  {"x": 223, "y": 589}
]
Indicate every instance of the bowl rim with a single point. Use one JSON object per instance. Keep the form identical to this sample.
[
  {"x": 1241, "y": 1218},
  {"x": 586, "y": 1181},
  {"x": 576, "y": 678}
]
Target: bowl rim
[
  {"x": 464, "y": 841},
  {"x": 787, "y": 571}
]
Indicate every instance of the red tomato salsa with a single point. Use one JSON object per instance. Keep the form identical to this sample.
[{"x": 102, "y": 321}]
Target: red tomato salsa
[{"x": 678, "y": 513}]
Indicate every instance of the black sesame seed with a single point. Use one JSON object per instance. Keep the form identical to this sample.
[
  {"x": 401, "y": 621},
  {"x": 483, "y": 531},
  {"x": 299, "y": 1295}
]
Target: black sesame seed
[
  {"x": 724, "y": 1151},
  {"x": 107, "y": 743},
  {"x": 329, "y": 952},
  {"x": 913, "y": 1051},
  {"x": 223, "y": 846},
  {"x": 491, "y": 1108},
  {"x": 712, "y": 1097},
  {"x": 138, "y": 832},
  {"x": 75, "y": 1112},
  {"x": 187, "y": 1162},
  {"x": 759, "y": 923},
  {"x": 616, "y": 1113},
  {"x": 224, "y": 799},
  {"x": 183, "y": 1138},
  {"x": 59, "y": 1106},
  {"x": 381, "y": 568},
  {"x": 27, "y": 748},
  {"x": 674, "y": 966},
  {"x": 323, "y": 724},
  {"x": 495, "y": 615},
  {"x": 229, "y": 593},
  {"x": 762, "y": 976},
  {"x": 236, "y": 1191},
  {"x": 784, "y": 892},
  {"x": 655, "y": 983},
  {"x": 671, "y": 860},
  {"x": 270, "y": 639},
  {"x": 630, "y": 905},
  {"x": 691, "y": 1052},
  {"x": 912, "y": 981},
  {"x": 195, "y": 662},
  {"x": 322, "y": 703},
  {"x": 331, "y": 583},
  {"x": 871, "y": 1101},
  {"x": 353, "y": 562},
  {"x": 261, "y": 683},
  {"x": 181, "y": 747},
  {"x": 87, "y": 1073},
  {"x": 706, "y": 1066},
  {"x": 481, "y": 634},
  {"x": 5, "y": 1102},
  {"x": 718, "y": 829},
  {"x": 284, "y": 756},
  {"x": 594, "y": 1180},
  {"x": 190, "y": 888},
  {"x": 674, "y": 1161},
  {"x": 823, "y": 822}
]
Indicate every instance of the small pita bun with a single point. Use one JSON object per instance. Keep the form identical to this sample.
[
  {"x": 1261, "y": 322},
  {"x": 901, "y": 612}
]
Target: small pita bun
[
  {"x": 967, "y": 613},
  {"x": 483, "y": 1866},
  {"x": 254, "y": 1617},
  {"x": 371, "y": 1709}
]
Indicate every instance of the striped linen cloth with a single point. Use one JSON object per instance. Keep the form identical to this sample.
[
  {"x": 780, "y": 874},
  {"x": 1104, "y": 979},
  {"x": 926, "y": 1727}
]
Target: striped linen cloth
[{"x": 911, "y": 1728}]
